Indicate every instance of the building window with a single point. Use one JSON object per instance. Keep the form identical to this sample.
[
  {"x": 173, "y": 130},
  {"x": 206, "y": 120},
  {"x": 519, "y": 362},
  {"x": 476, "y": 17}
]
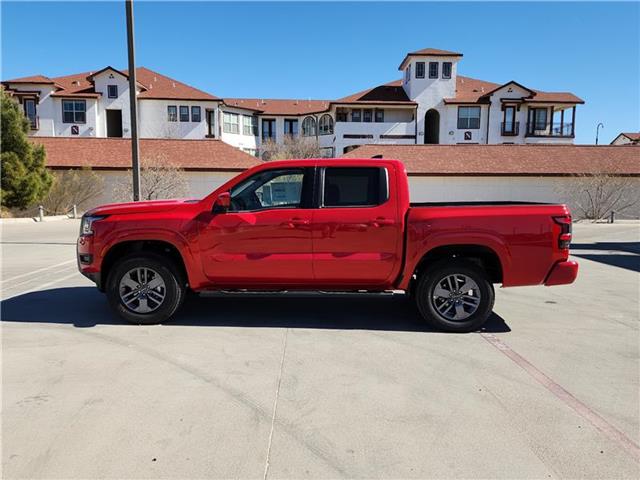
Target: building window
[
  {"x": 509, "y": 123},
  {"x": 309, "y": 127},
  {"x": 379, "y": 115},
  {"x": 469, "y": 118},
  {"x": 74, "y": 111},
  {"x": 539, "y": 118},
  {"x": 196, "y": 114},
  {"x": 250, "y": 151},
  {"x": 326, "y": 152},
  {"x": 341, "y": 115},
  {"x": 269, "y": 129},
  {"x": 407, "y": 75},
  {"x": 291, "y": 126},
  {"x": 446, "y": 69},
  {"x": 356, "y": 115},
  {"x": 250, "y": 125},
  {"x": 433, "y": 69},
  {"x": 367, "y": 115},
  {"x": 29, "y": 105},
  {"x": 325, "y": 125},
  {"x": 184, "y": 113},
  {"x": 112, "y": 91},
  {"x": 172, "y": 113},
  {"x": 419, "y": 69},
  {"x": 210, "y": 115},
  {"x": 230, "y": 123}
]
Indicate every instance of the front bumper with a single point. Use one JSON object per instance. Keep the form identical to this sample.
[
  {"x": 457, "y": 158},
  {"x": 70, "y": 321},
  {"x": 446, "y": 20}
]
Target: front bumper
[
  {"x": 562, "y": 273},
  {"x": 87, "y": 264}
]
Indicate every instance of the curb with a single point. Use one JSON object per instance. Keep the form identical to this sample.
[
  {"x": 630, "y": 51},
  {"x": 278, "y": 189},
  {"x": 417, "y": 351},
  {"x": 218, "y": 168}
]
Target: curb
[{"x": 51, "y": 218}]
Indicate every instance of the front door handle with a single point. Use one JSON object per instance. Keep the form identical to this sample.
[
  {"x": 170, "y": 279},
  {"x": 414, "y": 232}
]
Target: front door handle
[
  {"x": 297, "y": 222},
  {"x": 381, "y": 221}
]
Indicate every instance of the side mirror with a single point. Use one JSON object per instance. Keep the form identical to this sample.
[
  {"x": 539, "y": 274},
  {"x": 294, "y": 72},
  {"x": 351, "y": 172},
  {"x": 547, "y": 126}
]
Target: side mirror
[{"x": 222, "y": 203}]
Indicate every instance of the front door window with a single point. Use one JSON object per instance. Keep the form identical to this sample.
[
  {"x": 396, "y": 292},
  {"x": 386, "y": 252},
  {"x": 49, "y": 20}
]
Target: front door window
[{"x": 268, "y": 189}]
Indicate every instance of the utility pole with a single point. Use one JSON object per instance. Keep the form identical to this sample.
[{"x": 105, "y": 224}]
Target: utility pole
[
  {"x": 598, "y": 130},
  {"x": 135, "y": 149}
]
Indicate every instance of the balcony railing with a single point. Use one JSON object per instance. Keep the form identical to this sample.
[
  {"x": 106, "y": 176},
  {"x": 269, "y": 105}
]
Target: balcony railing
[
  {"x": 509, "y": 129},
  {"x": 535, "y": 129},
  {"x": 376, "y": 131},
  {"x": 34, "y": 123}
]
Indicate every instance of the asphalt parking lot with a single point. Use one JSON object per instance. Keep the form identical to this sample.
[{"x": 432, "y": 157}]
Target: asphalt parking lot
[{"x": 317, "y": 387}]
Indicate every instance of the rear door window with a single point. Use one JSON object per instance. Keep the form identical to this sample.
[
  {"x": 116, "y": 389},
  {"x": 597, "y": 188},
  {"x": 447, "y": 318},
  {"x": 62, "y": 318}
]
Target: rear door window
[{"x": 354, "y": 187}]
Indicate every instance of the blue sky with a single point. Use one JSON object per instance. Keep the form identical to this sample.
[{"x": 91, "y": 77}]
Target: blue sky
[{"x": 329, "y": 50}]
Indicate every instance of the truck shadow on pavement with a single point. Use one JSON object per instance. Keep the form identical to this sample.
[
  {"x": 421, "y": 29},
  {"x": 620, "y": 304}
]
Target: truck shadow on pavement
[
  {"x": 85, "y": 307},
  {"x": 616, "y": 254}
]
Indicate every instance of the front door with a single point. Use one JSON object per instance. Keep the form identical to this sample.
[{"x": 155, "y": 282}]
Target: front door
[
  {"x": 356, "y": 231},
  {"x": 265, "y": 237},
  {"x": 114, "y": 123}
]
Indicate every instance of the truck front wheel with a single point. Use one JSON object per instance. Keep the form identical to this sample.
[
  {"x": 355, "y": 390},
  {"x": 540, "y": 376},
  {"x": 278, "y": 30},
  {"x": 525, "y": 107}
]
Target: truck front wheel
[
  {"x": 455, "y": 296},
  {"x": 145, "y": 289}
]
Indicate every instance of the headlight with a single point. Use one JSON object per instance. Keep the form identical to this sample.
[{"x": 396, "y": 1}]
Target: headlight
[{"x": 87, "y": 223}]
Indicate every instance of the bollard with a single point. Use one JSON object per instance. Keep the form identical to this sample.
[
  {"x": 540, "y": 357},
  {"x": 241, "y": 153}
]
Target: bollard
[
  {"x": 75, "y": 211},
  {"x": 612, "y": 217},
  {"x": 40, "y": 213}
]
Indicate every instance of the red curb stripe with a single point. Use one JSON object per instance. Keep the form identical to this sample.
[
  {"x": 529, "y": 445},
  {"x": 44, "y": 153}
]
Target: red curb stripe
[{"x": 583, "y": 410}]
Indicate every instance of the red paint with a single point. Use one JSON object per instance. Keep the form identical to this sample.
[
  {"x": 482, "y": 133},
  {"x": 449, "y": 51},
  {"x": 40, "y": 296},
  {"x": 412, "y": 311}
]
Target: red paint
[
  {"x": 566, "y": 397},
  {"x": 375, "y": 248}
]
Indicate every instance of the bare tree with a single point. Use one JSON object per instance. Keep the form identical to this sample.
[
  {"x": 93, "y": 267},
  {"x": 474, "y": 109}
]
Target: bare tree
[
  {"x": 73, "y": 187},
  {"x": 595, "y": 196},
  {"x": 291, "y": 147},
  {"x": 159, "y": 179}
]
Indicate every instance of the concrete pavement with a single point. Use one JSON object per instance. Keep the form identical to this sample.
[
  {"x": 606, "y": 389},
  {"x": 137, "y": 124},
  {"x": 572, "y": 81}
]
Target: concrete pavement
[{"x": 318, "y": 387}]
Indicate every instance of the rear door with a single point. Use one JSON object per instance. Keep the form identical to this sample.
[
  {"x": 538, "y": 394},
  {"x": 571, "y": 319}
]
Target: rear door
[
  {"x": 356, "y": 230},
  {"x": 265, "y": 237}
]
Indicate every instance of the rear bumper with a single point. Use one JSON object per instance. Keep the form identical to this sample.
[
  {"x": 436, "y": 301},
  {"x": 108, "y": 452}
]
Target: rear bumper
[{"x": 562, "y": 273}]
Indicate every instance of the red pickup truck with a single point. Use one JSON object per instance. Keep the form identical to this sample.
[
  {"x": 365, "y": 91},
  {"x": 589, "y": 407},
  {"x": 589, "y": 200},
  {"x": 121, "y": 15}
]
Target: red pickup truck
[{"x": 325, "y": 224}]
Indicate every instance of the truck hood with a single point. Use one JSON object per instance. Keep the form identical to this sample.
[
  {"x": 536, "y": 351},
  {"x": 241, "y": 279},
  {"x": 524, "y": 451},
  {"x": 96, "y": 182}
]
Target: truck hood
[{"x": 146, "y": 206}]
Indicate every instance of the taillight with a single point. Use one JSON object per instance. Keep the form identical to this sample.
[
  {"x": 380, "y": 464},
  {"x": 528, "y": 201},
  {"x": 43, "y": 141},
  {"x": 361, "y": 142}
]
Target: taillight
[{"x": 565, "y": 231}]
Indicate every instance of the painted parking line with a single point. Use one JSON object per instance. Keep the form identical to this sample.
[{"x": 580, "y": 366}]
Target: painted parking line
[
  {"x": 566, "y": 397},
  {"x": 44, "y": 269},
  {"x": 42, "y": 286}
]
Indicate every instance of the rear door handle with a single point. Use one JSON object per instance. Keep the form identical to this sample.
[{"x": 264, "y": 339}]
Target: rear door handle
[{"x": 381, "y": 221}]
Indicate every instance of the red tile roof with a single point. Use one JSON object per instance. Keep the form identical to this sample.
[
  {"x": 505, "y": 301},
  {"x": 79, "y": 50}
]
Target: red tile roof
[
  {"x": 154, "y": 85},
  {"x": 507, "y": 160},
  {"x": 471, "y": 90},
  {"x": 162, "y": 87},
  {"x": 39, "y": 79},
  {"x": 632, "y": 135},
  {"x": 391, "y": 92},
  {"x": 428, "y": 52},
  {"x": 271, "y": 106},
  {"x": 115, "y": 153}
]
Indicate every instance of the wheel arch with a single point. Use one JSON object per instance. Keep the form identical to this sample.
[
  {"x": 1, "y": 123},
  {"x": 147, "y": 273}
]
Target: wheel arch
[
  {"x": 163, "y": 248},
  {"x": 483, "y": 256}
]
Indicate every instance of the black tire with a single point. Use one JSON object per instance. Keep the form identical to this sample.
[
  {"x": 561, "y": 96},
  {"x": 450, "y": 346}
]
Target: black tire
[
  {"x": 174, "y": 288},
  {"x": 432, "y": 276}
]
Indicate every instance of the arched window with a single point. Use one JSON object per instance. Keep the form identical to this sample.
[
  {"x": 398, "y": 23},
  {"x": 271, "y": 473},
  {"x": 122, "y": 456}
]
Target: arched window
[
  {"x": 325, "y": 125},
  {"x": 309, "y": 127}
]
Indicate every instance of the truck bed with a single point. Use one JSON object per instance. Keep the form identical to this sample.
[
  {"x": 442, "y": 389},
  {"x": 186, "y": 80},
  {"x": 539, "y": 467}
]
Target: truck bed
[{"x": 474, "y": 204}]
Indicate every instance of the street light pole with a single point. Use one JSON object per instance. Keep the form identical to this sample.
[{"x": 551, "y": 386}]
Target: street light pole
[
  {"x": 135, "y": 149},
  {"x": 598, "y": 130}
]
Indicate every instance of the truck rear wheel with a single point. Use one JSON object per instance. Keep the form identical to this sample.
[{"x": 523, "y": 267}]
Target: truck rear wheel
[
  {"x": 145, "y": 289},
  {"x": 455, "y": 296}
]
